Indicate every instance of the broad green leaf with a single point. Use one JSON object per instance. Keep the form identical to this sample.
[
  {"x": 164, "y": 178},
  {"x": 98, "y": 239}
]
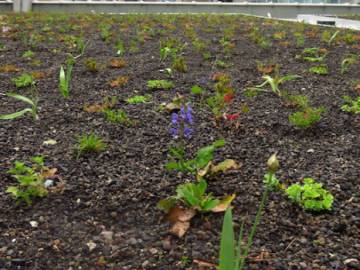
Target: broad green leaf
[
  {"x": 227, "y": 244},
  {"x": 15, "y": 115}
]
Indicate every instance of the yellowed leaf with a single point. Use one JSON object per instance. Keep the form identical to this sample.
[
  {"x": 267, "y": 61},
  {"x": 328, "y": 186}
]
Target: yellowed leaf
[
  {"x": 201, "y": 173},
  {"x": 227, "y": 164},
  {"x": 224, "y": 204}
]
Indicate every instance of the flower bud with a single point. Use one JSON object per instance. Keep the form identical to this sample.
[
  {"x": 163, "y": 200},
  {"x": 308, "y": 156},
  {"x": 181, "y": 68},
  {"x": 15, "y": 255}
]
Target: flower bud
[{"x": 273, "y": 163}]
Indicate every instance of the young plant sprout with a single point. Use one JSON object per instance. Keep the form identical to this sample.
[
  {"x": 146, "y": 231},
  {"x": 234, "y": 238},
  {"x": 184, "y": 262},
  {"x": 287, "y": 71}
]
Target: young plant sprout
[{"x": 33, "y": 110}]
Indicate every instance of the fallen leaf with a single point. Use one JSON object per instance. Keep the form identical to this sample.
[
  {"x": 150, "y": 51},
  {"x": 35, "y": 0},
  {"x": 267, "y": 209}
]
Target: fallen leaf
[
  {"x": 117, "y": 63},
  {"x": 203, "y": 264},
  {"x": 179, "y": 214},
  {"x": 224, "y": 204},
  {"x": 38, "y": 75},
  {"x": 179, "y": 228},
  {"x": 9, "y": 68},
  {"x": 95, "y": 108},
  {"x": 119, "y": 81},
  {"x": 264, "y": 255},
  {"x": 227, "y": 164},
  {"x": 357, "y": 86},
  {"x": 49, "y": 173}
]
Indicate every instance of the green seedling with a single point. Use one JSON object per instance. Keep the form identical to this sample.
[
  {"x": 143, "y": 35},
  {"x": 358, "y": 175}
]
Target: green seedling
[
  {"x": 138, "y": 99},
  {"x": 351, "y": 105},
  {"x": 311, "y": 196},
  {"x": 64, "y": 78},
  {"x": 203, "y": 157},
  {"x": 23, "y": 81},
  {"x": 33, "y": 110},
  {"x": 348, "y": 61},
  {"x": 274, "y": 83},
  {"x": 117, "y": 116},
  {"x": 320, "y": 70},
  {"x": 28, "y": 54},
  {"x": 160, "y": 84},
  {"x": 307, "y": 117},
  {"x": 197, "y": 90},
  {"x": 30, "y": 179},
  {"x": 89, "y": 143}
]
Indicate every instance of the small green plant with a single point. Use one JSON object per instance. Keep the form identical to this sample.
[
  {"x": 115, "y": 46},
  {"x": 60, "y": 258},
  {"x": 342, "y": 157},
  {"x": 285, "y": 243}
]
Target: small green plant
[
  {"x": 33, "y": 110},
  {"x": 274, "y": 83},
  {"x": 300, "y": 39},
  {"x": 30, "y": 179},
  {"x": 92, "y": 65},
  {"x": 80, "y": 45},
  {"x": 160, "y": 84},
  {"x": 233, "y": 253},
  {"x": 313, "y": 54},
  {"x": 89, "y": 143},
  {"x": 297, "y": 100},
  {"x": 23, "y": 81},
  {"x": 348, "y": 61},
  {"x": 196, "y": 90},
  {"x": 64, "y": 78},
  {"x": 201, "y": 160},
  {"x": 138, "y": 99},
  {"x": 117, "y": 116},
  {"x": 311, "y": 195},
  {"x": 320, "y": 70},
  {"x": 351, "y": 105},
  {"x": 179, "y": 64},
  {"x": 28, "y": 54},
  {"x": 120, "y": 47},
  {"x": 194, "y": 196},
  {"x": 105, "y": 33},
  {"x": 328, "y": 37},
  {"x": 306, "y": 117}
]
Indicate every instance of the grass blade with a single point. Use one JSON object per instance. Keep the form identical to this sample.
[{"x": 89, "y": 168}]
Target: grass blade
[
  {"x": 227, "y": 253},
  {"x": 22, "y": 98},
  {"x": 14, "y": 115}
]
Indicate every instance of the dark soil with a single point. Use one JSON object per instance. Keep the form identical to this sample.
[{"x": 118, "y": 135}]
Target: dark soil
[{"x": 110, "y": 197}]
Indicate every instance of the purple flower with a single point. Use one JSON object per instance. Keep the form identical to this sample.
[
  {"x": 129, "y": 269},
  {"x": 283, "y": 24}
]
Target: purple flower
[
  {"x": 181, "y": 122},
  {"x": 187, "y": 132},
  {"x": 174, "y": 119}
]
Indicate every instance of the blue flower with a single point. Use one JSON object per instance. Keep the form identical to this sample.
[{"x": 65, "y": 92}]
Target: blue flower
[
  {"x": 187, "y": 132},
  {"x": 181, "y": 122}
]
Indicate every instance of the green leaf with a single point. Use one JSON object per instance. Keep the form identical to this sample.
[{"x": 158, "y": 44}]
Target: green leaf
[
  {"x": 22, "y": 98},
  {"x": 227, "y": 244},
  {"x": 13, "y": 190},
  {"x": 209, "y": 204},
  {"x": 14, "y": 115},
  {"x": 173, "y": 166},
  {"x": 166, "y": 204},
  {"x": 196, "y": 90}
]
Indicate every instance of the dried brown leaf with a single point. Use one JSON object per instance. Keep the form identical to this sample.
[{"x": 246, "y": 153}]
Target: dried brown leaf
[
  {"x": 49, "y": 173},
  {"x": 203, "y": 264},
  {"x": 180, "y": 228},
  {"x": 179, "y": 214}
]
